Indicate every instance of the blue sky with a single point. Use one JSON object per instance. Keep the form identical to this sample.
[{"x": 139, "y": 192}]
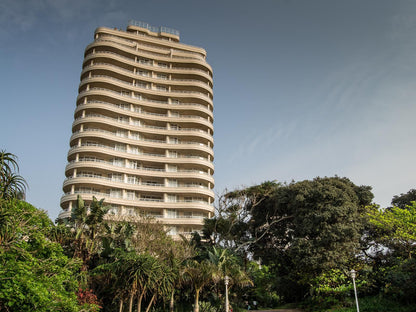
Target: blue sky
[{"x": 303, "y": 88}]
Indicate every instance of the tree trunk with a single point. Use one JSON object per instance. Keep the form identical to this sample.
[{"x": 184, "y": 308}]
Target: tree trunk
[
  {"x": 196, "y": 306},
  {"x": 121, "y": 306},
  {"x": 139, "y": 301},
  {"x": 131, "y": 303},
  {"x": 172, "y": 300},
  {"x": 150, "y": 304}
]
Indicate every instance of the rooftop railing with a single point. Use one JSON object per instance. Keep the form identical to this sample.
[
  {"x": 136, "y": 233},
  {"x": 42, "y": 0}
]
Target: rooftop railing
[{"x": 153, "y": 28}]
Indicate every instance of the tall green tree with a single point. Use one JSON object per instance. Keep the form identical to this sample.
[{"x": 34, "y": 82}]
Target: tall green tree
[
  {"x": 199, "y": 274},
  {"x": 393, "y": 240},
  {"x": 12, "y": 185},
  {"x": 87, "y": 223},
  {"x": 403, "y": 200},
  {"x": 35, "y": 274},
  {"x": 396, "y": 228},
  {"x": 303, "y": 228}
]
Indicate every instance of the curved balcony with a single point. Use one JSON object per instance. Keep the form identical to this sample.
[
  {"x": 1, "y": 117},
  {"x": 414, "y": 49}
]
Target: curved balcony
[
  {"x": 145, "y": 76},
  {"x": 146, "y": 66},
  {"x": 156, "y": 158},
  {"x": 147, "y": 188},
  {"x": 143, "y": 40},
  {"x": 156, "y": 144},
  {"x": 98, "y": 118},
  {"x": 121, "y": 84},
  {"x": 141, "y": 171},
  {"x": 140, "y": 203},
  {"x": 177, "y": 119},
  {"x": 158, "y": 56},
  {"x": 103, "y": 93}
]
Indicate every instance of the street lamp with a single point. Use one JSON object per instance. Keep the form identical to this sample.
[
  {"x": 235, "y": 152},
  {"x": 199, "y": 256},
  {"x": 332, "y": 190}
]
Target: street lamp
[
  {"x": 226, "y": 281},
  {"x": 353, "y": 274}
]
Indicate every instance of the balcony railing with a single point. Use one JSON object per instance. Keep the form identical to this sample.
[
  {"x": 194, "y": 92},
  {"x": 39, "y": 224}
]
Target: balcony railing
[
  {"x": 150, "y": 64},
  {"x": 138, "y": 124},
  {"x": 111, "y": 179},
  {"x": 141, "y": 98},
  {"x": 109, "y": 196},
  {"x": 131, "y": 137},
  {"x": 143, "y": 74},
  {"x": 144, "y": 86},
  {"x": 137, "y": 167},
  {"x": 143, "y": 112},
  {"x": 124, "y": 150},
  {"x": 153, "y": 28}
]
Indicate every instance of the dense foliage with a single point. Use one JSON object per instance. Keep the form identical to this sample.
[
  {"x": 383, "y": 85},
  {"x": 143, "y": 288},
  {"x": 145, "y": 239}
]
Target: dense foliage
[
  {"x": 276, "y": 243},
  {"x": 35, "y": 274}
]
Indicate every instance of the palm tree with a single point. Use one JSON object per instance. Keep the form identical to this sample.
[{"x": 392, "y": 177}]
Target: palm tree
[
  {"x": 227, "y": 265},
  {"x": 87, "y": 223},
  {"x": 12, "y": 185},
  {"x": 199, "y": 274}
]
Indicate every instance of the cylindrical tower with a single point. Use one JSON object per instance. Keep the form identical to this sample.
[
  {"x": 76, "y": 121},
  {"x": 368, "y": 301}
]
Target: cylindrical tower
[{"x": 142, "y": 136}]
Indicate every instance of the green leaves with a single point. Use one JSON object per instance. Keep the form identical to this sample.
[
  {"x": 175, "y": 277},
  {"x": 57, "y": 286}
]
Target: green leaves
[
  {"x": 396, "y": 228},
  {"x": 12, "y": 185},
  {"x": 35, "y": 275}
]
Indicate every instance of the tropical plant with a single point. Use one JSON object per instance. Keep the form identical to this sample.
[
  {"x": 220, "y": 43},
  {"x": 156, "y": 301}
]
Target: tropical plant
[
  {"x": 87, "y": 224},
  {"x": 12, "y": 185},
  {"x": 35, "y": 274},
  {"x": 199, "y": 274}
]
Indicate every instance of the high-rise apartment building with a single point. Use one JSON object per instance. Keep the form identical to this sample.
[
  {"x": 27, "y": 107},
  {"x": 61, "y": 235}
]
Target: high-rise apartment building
[{"x": 142, "y": 136}]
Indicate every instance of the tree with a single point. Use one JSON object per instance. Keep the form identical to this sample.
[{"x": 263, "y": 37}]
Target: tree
[
  {"x": 87, "y": 223},
  {"x": 404, "y": 200},
  {"x": 35, "y": 274},
  {"x": 307, "y": 227},
  {"x": 396, "y": 228},
  {"x": 393, "y": 235},
  {"x": 199, "y": 274},
  {"x": 12, "y": 185},
  {"x": 230, "y": 227}
]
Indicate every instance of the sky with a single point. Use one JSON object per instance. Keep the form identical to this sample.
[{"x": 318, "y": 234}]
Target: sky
[{"x": 302, "y": 88}]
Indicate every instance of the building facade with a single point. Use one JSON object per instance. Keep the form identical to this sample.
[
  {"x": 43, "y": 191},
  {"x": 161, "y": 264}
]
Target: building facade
[{"x": 142, "y": 136}]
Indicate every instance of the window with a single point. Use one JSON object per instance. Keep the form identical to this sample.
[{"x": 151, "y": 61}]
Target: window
[
  {"x": 121, "y": 133},
  {"x": 120, "y": 147},
  {"x": 172, "y": 198},
  {"x": 130, "y": 195},
  {"x": 134, "y": 150},
  {"x": 172, "y": 168},
  {"x": 143, "y": 61},
  {"x": 143, "y": 73},
  {"x": 161, "y": 88},
  {"x": 117, "y": 177},
  {"x": 132, "y": 164},
  {"x": 171, "y": 213},
  {"x": 118, "y": 162},
  {"x": 132, "y": 180},
  {"x": 116, "y": 193},
  {"x": 172, "y": 183}
]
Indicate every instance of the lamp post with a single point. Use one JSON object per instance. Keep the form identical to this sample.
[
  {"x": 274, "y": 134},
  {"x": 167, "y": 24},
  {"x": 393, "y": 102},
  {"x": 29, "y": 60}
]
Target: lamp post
[
  {"x": 353, "y": 274},
  {"x": 226, "y": 281}
]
